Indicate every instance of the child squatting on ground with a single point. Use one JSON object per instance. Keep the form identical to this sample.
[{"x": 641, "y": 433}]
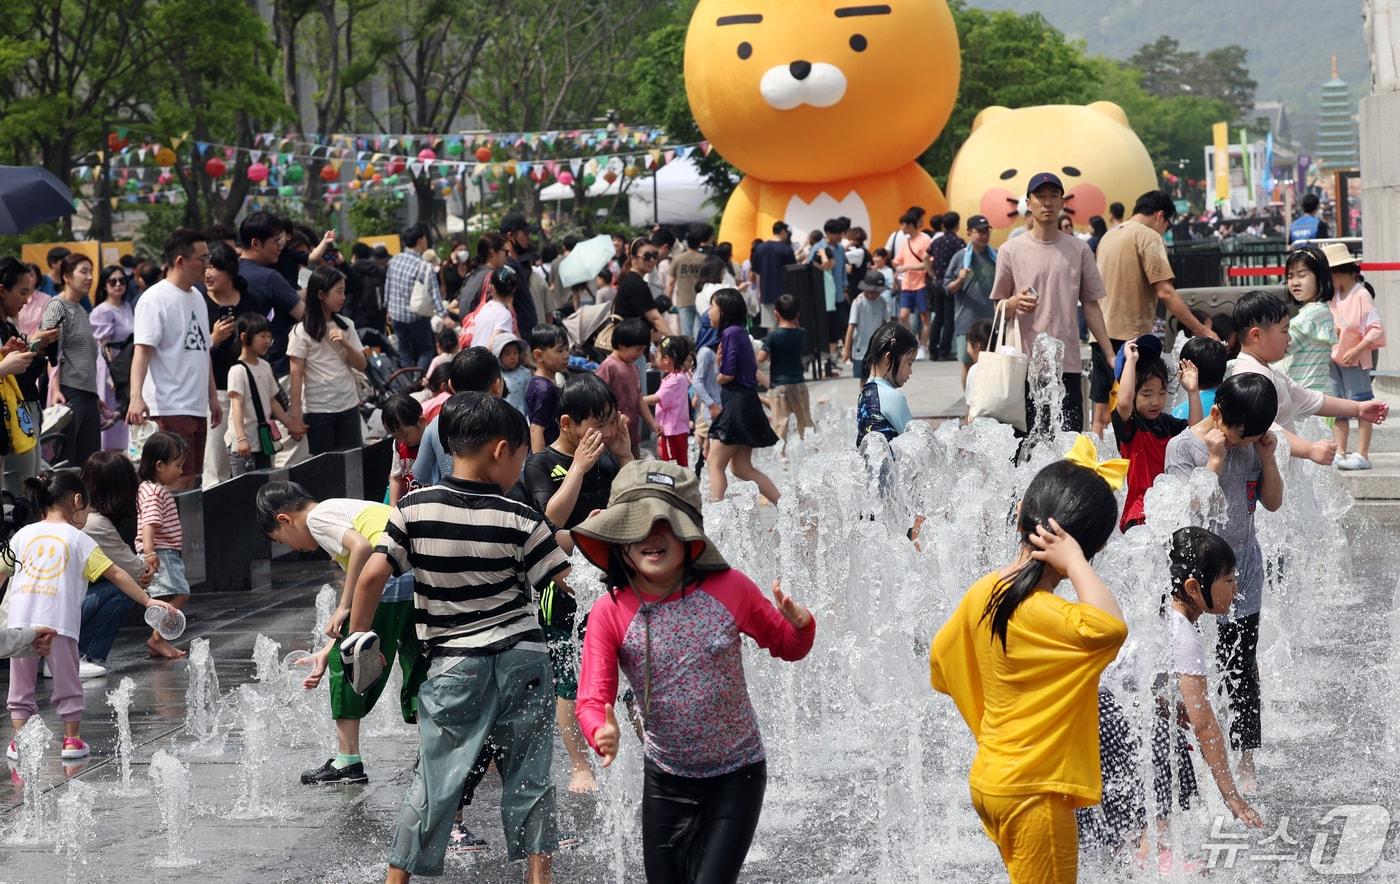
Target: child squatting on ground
[
  {"x": 51, "y": 562},
  {"x": 672, "y": 619}
]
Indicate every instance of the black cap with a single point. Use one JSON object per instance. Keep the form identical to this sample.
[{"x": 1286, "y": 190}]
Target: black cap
[
  {"x": 514, "y": 221},
  {"x": 1040, "y": 179},
  {"x": 874, "y": 281},
  {"x": 978, "y": 222},
  {"x": 503, "y": 279}
]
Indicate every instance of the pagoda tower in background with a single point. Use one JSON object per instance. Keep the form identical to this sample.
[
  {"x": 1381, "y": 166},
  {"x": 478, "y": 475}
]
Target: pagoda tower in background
[{"x": 1337, "y": 146}]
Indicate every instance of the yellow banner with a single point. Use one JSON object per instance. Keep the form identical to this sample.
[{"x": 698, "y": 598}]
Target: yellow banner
[
  {"x": 101, "y": 254},
  {"x": 1222, "y": 162}
]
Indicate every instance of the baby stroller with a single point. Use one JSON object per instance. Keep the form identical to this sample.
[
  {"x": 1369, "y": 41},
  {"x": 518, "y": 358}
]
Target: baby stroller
[
  {"x": 383, "y": 373},
  {"x": 585, "y": 326}
]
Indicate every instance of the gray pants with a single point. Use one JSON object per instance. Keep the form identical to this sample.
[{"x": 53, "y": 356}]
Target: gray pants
[{"x": 508, "y": 697}]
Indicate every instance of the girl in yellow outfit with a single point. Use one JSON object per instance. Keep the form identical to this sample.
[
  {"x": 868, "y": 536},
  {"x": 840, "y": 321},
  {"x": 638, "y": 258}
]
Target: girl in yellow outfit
[{"x": 1023, "y": 665}]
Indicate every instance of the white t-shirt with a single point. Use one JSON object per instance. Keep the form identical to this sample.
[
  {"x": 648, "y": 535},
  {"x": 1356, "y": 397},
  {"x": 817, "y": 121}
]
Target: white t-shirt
[
  {"x": 493, "y": 318},
  {"x": 54, "y": 563},
  {"x": 1188, "y": 652},
  {"x": 238, "y": 384},
  {"x": 175, "y": 322},
  {"x": 329, "y": 385},
  {"x": 1294, "y": 400}
]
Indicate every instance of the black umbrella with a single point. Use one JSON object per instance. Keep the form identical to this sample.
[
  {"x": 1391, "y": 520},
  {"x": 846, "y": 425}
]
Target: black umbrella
[{"x": 29, "y": 196}]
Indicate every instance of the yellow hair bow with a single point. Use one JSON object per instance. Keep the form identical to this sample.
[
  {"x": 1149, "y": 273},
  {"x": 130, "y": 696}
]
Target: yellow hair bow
[{"x": 1084, "y": 454}]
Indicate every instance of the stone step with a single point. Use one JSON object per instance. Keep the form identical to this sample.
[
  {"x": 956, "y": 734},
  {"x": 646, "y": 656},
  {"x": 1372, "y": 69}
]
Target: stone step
[
  {"x": 1381, "y": 482},
  {"x": 1381, "y": 512},
  {"x": 1385, "y": 438}
]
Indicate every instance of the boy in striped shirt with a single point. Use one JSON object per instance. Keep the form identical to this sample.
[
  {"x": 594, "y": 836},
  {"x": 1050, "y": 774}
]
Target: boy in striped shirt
[{"x": 475, "y": 554}]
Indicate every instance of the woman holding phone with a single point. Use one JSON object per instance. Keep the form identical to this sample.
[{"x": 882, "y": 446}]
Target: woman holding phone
[{"x": 226, "y": 297}]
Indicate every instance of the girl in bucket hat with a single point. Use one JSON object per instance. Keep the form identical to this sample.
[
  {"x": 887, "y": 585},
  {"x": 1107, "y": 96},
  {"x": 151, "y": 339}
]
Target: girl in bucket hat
[{"x": 671, "y": 618}]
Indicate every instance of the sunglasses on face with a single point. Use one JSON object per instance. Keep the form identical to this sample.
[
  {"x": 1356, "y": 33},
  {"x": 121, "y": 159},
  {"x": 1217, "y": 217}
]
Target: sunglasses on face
[{"x": 648, "y": 256}]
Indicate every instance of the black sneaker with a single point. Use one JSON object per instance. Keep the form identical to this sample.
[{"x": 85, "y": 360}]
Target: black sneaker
[
  {"x": 463, "y": 841},
  {"x": 329, "y": 775}
]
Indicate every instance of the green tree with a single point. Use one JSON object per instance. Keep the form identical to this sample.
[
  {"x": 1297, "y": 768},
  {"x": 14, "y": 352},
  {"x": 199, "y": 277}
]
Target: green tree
[
  {"x": 1168, "y": 71},
  {"x": 67, "y": 67},
  {"x": 1010, "y": 60},
  {"x": 375, "y": 215},
  {"x": 655, "y": 92}
]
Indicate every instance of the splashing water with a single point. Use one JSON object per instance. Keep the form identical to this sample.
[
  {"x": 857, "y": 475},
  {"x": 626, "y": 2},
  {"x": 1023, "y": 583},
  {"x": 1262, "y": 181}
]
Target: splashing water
[
  {"x": 75, "y": 826},
  {"x": 202, "y": 700},
  {"x": 262, "y": 783},
  {"x": 325, "y": 606},
  {"x": 267, "y": 663},
  {"x": 31, "y": 825},
  {"x": 172, "y": 781},
  {"x": 868, "y": 766},
  {"x": 120, "y": 701}
]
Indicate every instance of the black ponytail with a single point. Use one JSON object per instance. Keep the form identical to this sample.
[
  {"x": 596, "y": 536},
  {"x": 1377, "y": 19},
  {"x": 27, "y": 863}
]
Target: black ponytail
[
  {"x": 1083, "y": 505},
  {"x": 44, "y": 491},
  {"x": 1201, "y": 554}
]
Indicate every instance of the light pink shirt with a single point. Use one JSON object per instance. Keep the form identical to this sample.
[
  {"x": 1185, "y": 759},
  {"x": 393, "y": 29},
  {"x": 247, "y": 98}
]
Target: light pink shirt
[
  {"x": 1065, "y": 275},
  {"x": 1357, "y": 319},
  {"x": 673, "y": 404}
]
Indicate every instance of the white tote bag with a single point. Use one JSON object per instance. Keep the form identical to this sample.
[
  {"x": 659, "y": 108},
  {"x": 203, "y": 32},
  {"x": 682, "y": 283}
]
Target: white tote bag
[
  {"x": 421, "y": 299},
  {"x": 998, "y": 387}
]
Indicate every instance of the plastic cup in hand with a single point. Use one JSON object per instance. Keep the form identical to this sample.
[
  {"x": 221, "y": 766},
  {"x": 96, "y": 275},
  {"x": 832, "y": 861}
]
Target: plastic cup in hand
[{"x": 169, "y": 622}]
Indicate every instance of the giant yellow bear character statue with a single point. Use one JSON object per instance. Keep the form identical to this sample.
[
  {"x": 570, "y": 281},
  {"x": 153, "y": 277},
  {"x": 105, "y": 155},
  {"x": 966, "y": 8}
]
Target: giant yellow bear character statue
[
  {"x": 1091, "y": 147},
  {"x": 824, "y": 105}
]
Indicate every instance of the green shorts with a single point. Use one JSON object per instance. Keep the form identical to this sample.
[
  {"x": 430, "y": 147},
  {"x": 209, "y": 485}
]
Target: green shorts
[
  {"x": 393, "y": 623},
  {"x": 557, "y": 611}
]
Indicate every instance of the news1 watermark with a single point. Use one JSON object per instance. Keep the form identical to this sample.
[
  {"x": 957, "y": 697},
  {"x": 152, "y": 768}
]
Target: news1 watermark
[{"x": 1346, "y": 840}]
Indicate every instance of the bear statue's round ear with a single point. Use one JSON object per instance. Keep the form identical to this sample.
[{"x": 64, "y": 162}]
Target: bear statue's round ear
[
  {"x": 986, "y": 114},
  {"x": 1110, "y": 110}
]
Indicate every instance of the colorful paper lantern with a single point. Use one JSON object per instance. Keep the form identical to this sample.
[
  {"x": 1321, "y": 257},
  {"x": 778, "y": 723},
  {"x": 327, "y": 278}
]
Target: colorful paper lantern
[
  {"x": 455, "y": 148},
  {"x": 165, "y": 178},
  {"x": 483, "y": 154},
  {"x": 631, "y": 171},
  {"x": 376, "y": 178},
  {"x": 427, "y": 155},
  {"x": 329, "y": 173},
  {"x": 132, "y": 185},
  {"x": 566, "y": 178},
  {"x": 257, "y": 173},
  {"x": 215, "y": 167},
  {"x": 610, "y": 176},
  {"x": 355, "y": 185},
  {"x": 116, "y": 142},
  {"x": 294, "y": 173},
  {"x": 392, "y": 180},
  {"x": 397, "y": 165},
  {"x": 287, "y": 190},
  {"x": 165, "y": 157}
]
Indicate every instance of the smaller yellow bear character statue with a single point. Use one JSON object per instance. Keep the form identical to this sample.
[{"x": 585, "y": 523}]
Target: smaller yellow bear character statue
[
  {"x": 825, "y": 105},
  {"x": 1091, "y": 147}
]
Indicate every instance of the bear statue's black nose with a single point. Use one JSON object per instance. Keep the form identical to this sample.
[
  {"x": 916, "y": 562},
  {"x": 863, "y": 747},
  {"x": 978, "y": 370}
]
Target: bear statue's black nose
[{"x": 800, "y": 69}]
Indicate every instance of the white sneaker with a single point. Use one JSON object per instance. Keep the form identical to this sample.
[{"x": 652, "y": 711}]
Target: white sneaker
[
  {"x": 1356, "y": 462},
  {"x": 89, "y": 669},
  {"x": 922, "y": 355},
  {"x": 1345, "y": 461}
]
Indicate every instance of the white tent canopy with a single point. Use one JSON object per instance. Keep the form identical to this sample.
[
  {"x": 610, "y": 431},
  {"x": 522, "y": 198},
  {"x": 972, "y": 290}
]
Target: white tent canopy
[{"x": 679, "y": 187}]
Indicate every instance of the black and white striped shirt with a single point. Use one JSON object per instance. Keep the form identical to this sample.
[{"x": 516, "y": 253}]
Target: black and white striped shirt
[{"x": 474, "y": 554}]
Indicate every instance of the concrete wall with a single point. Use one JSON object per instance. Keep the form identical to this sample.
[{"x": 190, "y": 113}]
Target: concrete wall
[
  {"x": 1380, "y": 198},
  {"x": 225, "y": 551}
]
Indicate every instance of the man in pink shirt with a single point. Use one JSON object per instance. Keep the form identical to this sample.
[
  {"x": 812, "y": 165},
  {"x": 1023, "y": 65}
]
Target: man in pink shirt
[
  {"x": 911, "y": 261},
  {"x": 1045, "y": 277}
]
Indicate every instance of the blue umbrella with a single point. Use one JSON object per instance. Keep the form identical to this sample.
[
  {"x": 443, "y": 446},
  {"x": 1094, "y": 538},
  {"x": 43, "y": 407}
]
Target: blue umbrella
[{"x": 29, "y": 196}]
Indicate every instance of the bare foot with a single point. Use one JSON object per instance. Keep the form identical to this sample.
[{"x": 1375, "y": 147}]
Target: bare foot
[
  {"x": 163, "y": 650},
  {"x": 581, "y": 781}
]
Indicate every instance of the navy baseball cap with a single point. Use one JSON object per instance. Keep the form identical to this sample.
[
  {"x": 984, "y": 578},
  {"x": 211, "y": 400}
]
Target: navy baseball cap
[
  {"x": 1040, "y": 179},
  {"x": 979, "y": 222},
  {"x": 1149, "y": 347}
]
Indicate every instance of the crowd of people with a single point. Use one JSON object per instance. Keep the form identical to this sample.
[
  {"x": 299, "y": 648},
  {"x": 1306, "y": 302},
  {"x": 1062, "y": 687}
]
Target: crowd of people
[{"x": 529, "y": 438}]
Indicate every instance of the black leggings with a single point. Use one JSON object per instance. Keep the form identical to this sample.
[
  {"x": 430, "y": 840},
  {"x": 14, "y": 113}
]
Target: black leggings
[
  {"x": 698, "y": 830},
  {"x": 333, "y": 431},
  {"x": 83, "y": 434},
  {"x": 1237, "y": 656}
]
